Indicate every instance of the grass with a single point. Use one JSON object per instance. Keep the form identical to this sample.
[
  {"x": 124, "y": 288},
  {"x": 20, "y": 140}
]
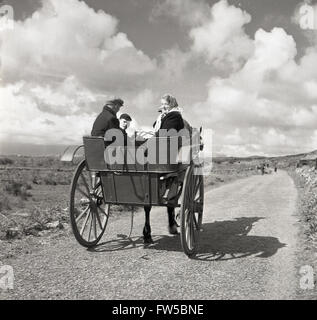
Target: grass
[
  {"x": 6, "y": 161},
  {"x": 305, "y": 180},
  {"x": 224, "y": 171},
  {"x": 18, "y": 189},
  {"x": 36, "y": 191}
]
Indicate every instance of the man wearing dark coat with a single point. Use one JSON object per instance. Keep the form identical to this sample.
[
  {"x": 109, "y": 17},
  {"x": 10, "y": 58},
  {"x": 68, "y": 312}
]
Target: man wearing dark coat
[{"x": 107, "y": 119}]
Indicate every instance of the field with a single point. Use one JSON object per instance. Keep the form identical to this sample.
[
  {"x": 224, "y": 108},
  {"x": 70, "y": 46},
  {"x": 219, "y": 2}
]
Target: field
[
  {"x": 34, "y": 212},
  {"x": 34, "y": 194},
  {"x": 35, "y": 191}
]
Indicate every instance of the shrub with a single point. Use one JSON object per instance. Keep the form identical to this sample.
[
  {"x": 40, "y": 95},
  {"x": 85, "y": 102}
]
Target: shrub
[
  {"x": 4, "y": 203},
  {"x": 5, "y": 161},
  {"x": 18, "y": 189},
  {"x": 49, "y": 181}
]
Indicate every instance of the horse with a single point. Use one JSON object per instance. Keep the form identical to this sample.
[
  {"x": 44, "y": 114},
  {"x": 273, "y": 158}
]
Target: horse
[
  {"x": 171, "y": 196},
  {"x": 172, "y": 224}
]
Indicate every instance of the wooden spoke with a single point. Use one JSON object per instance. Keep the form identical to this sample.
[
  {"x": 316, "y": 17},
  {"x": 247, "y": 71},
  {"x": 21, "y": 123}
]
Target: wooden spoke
[
  {"x": 195, "y": 220},
  {"x": 91, "y": 223},
  {"x": 103, "y": 211},
  {"x": 98, "y": 219},
  {"x": 95, "y": 225},
  {"x": 198, "y": 182},
  {"x": 82, "y": 192},
  {"x": 85, "y": 182},
  {"x": 81, "y": 215},
  {"x": 84, "y": 224}
]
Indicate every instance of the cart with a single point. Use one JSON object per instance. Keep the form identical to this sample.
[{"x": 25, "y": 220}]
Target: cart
[{"x": 97, "y": 185}]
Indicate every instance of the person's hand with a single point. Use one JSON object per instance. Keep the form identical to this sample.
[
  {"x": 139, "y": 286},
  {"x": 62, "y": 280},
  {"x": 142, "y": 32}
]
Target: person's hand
[{"x": 144, "y": 135}]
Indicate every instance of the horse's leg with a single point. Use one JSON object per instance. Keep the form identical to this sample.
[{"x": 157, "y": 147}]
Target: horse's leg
[
  {"x": 172, "y": 225},
  {"x": 147, "y": 227}
]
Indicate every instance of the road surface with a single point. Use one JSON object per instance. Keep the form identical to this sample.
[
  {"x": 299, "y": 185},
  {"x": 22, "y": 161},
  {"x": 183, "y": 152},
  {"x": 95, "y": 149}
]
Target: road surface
[{"x": 247, "y": 251}]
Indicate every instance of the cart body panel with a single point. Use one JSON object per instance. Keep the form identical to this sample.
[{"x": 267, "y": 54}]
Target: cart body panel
[{"x": 135, "y": 182}]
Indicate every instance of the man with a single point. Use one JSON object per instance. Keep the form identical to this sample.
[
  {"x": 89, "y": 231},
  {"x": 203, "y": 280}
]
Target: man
[
  {"x": 107, "y": 119},
  {"x": 124, "y": 120}
]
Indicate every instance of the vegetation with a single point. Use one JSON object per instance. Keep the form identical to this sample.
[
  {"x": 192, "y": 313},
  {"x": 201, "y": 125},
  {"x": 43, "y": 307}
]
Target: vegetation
[{"x": 6, "y": 161}]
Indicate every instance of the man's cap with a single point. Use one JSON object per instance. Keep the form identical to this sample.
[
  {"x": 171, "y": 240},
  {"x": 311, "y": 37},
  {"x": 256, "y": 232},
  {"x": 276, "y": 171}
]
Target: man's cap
[{"x": 125, "y": 116}]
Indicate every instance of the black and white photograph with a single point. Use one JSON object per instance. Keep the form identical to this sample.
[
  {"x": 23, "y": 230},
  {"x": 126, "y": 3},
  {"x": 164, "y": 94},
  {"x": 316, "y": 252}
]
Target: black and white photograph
[{"x": 158, "y": 150}]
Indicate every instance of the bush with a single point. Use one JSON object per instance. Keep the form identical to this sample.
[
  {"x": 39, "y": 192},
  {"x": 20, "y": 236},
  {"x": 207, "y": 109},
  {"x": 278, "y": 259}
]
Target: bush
[
  {"x": 5, "y": 161},
  {"x": 18, "y": 189},
  {"x": 49, "y": 181},
  {"x": 4, "y": 203}
]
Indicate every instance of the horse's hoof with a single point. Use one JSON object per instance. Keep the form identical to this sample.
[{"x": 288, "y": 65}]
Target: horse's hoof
[
  {"x": 148, "y": 240},
  {"x": 173, "y": 229}
]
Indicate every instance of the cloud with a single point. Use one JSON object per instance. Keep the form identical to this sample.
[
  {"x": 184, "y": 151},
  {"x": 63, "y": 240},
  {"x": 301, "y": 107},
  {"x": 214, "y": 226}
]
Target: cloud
[
  {"x": 222, "y": 38},
  {"x": 144, "y": 99},
  {"x": 22, "y": 120},
  {"x": 67, "y": 38},
  {"x": 263, "y": 98},
  {"x": 187, "y": 12},
  {"x": 217, "y": 32},
  {"x": 59, "y": 66},
  {"x": 270, "y": 99},
  {"x": 173, "y": 63}
]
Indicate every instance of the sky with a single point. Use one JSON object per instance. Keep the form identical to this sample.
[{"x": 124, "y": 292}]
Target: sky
[{"x": 244, "y": 69}]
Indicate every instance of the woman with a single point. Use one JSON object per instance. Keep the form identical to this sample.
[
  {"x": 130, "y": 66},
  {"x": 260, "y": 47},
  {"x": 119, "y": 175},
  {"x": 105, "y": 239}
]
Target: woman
[
  {"x": 170, "y": 115},
  {"x": 169, "y": 118}
]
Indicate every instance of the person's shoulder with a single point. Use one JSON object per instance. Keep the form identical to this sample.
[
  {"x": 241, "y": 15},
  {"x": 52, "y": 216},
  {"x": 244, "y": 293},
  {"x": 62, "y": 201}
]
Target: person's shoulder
[{"x": 174, "y": 114}]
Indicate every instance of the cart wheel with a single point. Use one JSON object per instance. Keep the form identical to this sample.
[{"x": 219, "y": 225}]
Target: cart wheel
[
  {"x": 192, "y": 202},
  {"x": 88, "y": 212}
]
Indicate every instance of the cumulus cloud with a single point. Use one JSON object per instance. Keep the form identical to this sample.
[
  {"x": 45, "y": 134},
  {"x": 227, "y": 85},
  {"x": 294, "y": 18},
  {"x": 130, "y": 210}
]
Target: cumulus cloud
[
  {"x": 59, "y": 66},
  {"x": 23, "y": 121},
  {"x": 217, "y": 32},
  {"x": 173, "y": 63},
  {"x": 262, "y": 101},
  {"x": 222, "y": 38},
  {"x": 66, "y": 38}
]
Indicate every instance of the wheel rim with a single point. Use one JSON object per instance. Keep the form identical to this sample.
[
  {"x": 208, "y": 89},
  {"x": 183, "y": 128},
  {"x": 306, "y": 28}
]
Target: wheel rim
[
  {"x": 193, "y": 208},
  {"x": 89, "y": 213}
]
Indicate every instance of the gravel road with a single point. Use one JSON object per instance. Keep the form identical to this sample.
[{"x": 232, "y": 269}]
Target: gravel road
[{"x": 247, "y": 251}]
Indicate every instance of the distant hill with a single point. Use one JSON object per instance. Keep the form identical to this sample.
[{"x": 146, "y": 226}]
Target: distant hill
[{"x": 31, "y": 149}]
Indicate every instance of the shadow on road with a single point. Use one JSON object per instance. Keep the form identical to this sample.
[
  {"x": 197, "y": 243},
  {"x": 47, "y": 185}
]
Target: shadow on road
[
  {"x": 226, "y": 240},
  {"x": 122, "y": 242},
  {"x": 220, "y": 240}
]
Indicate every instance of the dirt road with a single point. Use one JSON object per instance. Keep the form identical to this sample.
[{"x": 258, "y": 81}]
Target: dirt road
[{"x": 247, "y": 251}]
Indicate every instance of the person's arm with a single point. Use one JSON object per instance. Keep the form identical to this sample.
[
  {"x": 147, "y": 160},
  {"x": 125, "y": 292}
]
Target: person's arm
[{"x": 114, "y": 123}]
